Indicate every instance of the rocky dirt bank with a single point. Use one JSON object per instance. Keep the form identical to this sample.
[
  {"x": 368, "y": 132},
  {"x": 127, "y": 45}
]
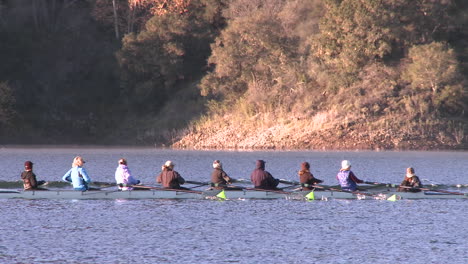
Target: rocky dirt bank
[{"x": 351, "y": 136}]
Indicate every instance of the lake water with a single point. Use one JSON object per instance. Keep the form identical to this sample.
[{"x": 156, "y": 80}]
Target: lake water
[{"x": 249, "y": 231}]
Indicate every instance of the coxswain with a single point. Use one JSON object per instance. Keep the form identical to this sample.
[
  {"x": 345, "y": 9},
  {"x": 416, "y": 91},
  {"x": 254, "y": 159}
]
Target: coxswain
[
  {"x": 411, "y": 183},
  {"x": 346, "y": 177},
  {"x": 170, "y": 178},
  {"x": 262, "y": 179},
  {"x": 306, "y": 178}
]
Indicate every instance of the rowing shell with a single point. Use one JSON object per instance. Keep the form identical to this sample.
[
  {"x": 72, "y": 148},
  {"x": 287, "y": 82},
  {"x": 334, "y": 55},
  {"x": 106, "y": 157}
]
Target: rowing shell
[{"x": 212, "y": 194}]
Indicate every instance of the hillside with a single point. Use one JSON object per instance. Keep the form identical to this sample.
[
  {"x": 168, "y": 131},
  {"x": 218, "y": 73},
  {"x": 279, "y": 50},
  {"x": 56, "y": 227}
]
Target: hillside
[{"x": 235, "y": 74}]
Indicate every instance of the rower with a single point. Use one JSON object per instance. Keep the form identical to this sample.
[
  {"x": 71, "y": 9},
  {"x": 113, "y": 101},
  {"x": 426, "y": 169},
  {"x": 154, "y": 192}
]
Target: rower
[
  {"x": 346, "y": 177},
  {"x": 77, "y": 175},
  {"x": 123, "y": 177},
  {"x": 410, "y": 183},
  {"x": 170, "y": 178},
  {"x": 29, "y": 178},
  {"x": 219, "y": 178},
  {"x": 306, "y": 178},
  {"x": 262, "y": 179}
]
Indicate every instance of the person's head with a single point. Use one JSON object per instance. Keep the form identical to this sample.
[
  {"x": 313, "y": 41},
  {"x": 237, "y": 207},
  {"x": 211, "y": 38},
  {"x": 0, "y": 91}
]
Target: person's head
[
  {"x": 78, "y": 161},
  {"x": 409, "y": 172},
  {"x": 305, "y": 166},
  {"x": 217, "y": 164},
  {"x": 345, "y": 165},
  {"x": 260, "y": 164},
  {"x": 169, "y": 164},
  {"x": 28, "y": 165},
  {"x": 122, "y": 161}
]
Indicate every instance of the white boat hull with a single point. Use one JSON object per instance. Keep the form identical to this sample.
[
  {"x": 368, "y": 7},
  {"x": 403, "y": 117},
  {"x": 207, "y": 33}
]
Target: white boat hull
[{"x": 212, "y": 194}]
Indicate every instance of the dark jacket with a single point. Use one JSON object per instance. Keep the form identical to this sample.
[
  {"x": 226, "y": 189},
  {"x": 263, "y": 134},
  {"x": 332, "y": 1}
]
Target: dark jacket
[
  {"x": 413, "y": 183},
  {"x": 170, "y": 179},
  {"x": 29, "y": 180},
  {"x": 306, "y": 179},
  {"x": 262, "y": 179},
  {"x": 220, "y": 179}
]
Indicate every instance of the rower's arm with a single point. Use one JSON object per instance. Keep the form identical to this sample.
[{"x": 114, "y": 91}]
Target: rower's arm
[{"x": 67, "y": 176}]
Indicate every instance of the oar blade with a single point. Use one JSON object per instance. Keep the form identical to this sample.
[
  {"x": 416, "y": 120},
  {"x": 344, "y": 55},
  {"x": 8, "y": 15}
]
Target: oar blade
[
  {"x": 221, "y": 195},
  {"x": 392, "y": 198},
  {"x": 310, "y": 196}
]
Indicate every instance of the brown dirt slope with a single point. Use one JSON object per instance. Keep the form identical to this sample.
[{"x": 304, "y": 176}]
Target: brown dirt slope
[{"x": 302, "y": 135}]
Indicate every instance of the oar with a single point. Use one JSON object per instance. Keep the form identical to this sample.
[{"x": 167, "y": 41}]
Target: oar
[
  {"x": 383, "y": 184},
  {"x": 100, "y": 184},
  {"x": 165, "y": 189},
  {"x": 441, "y": 191},
  {"x": 283, "y": 181},
  {"x": 341, "y": 190},
  {"x": 268, "y": 190},
  {"x": 241, "y": 181},
  {"x": 197, "y": 183},
  {"x": 292, "y": 184}
]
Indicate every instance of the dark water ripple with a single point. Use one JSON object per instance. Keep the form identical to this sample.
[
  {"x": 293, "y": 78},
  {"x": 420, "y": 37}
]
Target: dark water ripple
[{"x": 143, "y": 231}]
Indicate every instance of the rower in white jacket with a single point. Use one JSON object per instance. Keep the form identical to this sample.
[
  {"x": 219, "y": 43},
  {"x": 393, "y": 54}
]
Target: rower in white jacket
[{"x": 123, "y": 177}]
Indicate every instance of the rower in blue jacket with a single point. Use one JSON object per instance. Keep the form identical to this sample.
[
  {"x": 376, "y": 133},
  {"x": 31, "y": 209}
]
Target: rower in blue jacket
[
  {"x": 346, "y": 177},
  {"x": 77, "y": 175}
]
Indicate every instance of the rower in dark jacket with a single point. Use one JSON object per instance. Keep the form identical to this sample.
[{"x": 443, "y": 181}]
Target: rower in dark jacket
[
  {"x": 29, "y": 178},
  {"x": 411, "y": 183},
  {"x": 219, "y": 178},
  {"x": 306, "y": 178},
  {"x": 170, "y": 178},
  {"x": 262, "y": 179}
]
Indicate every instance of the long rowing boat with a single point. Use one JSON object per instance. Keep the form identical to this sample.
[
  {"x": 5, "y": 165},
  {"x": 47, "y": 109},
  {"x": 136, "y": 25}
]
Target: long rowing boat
[
  {"x": 374, "y": 186},
  {"x": 227, "y": 194}
]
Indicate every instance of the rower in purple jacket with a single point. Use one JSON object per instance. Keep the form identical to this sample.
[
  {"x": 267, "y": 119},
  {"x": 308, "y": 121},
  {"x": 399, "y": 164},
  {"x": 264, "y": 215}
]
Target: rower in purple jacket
[{"x": 346, "y": 177}]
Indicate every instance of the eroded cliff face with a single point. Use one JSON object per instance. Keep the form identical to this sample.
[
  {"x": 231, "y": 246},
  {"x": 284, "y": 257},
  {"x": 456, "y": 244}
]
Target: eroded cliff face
[{"x": 301, "y": 134}]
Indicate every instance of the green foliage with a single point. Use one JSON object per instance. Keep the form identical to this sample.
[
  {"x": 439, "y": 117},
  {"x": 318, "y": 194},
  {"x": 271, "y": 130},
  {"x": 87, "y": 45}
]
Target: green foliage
[
  {"x": 152, "y": 60},
  {"x": 434, "y": 74},
  {"x": 255, "y": 58},
  {"x": 7, "y": 101},
  {"x": 170, "y": 51},
  {"x": 354, "y": 33}
]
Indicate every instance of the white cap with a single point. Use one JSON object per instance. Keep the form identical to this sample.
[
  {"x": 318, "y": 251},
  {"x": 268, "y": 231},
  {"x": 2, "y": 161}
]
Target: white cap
[
  {"x": 345, "y": 164},
  {"x": 169, "y": 164}
]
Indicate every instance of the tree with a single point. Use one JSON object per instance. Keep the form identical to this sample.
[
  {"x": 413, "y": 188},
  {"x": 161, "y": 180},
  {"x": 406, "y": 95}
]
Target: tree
[
  {"x": 7, "y": 101},
  {"x": 354, "y": 33},
  {"x": 122, "y": 16},
  {"x": 171, "y": 49},
  {"x": 257, "y": 57},
  {"x": 151, "y": 61},
  {"x": 434, "y": 73}
]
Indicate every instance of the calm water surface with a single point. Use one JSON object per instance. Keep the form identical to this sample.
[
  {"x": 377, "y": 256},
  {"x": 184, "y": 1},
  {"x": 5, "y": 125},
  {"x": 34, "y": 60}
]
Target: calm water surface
[{"x": 250, "y": 231}]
